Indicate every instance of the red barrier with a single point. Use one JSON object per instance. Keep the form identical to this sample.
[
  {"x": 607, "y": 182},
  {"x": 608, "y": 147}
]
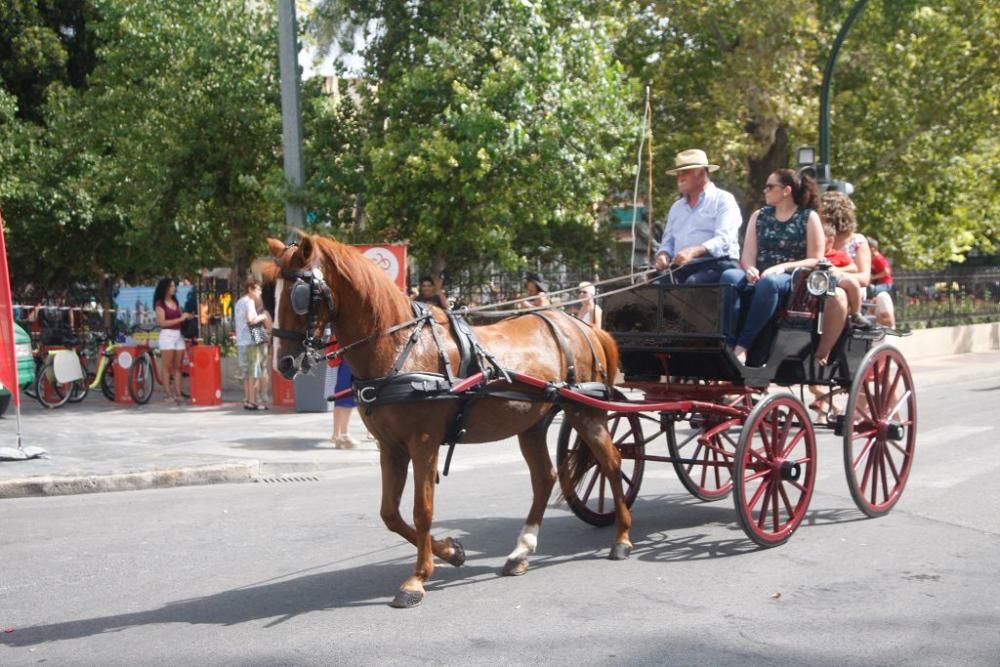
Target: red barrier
[
  {"x": 282, "y": 391},
  {"x": 206, "y": 375},
  {"x": 123, "y": 361}
]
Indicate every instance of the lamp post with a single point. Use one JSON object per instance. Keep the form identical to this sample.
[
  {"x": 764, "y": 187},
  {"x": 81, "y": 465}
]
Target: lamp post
[{"x": 824, "y": 95}]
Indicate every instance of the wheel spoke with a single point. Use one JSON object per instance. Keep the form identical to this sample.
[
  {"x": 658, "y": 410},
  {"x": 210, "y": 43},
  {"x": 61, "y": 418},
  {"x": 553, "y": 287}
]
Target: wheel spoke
[
  {"x": 794, "y": 442},
  {"x": 761, "y": 488},
  {"x": 762, "y": 517},
  {"x": 775, "y": 513},
  {"x": 868, "y": 466},
  {"x": 864, "y": 451}
]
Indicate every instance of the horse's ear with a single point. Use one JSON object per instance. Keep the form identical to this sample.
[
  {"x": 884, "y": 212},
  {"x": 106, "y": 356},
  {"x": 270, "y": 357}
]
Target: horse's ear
[
  {"x": 267, "y": 269},
  {"x": 306, "y": 247},
  {"x": 276, "y": 247}
]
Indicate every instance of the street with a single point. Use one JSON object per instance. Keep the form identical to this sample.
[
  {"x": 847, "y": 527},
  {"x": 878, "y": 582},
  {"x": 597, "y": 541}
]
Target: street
[{"x": 301, "y": 572}]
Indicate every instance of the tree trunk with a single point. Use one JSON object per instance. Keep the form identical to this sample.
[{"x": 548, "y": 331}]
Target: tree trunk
[{"x": 773, "y": 157}]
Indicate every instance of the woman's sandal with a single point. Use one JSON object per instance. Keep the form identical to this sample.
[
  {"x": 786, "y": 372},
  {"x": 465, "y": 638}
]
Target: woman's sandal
[{"x": 247, "y": 405}]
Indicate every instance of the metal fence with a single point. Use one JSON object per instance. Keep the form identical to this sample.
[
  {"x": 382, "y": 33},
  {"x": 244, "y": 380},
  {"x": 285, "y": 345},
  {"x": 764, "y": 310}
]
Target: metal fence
[{"x": 955, "y": 296}]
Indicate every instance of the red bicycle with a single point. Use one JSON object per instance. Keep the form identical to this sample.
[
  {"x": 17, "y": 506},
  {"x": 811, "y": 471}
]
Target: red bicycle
[{"x": 144, "y": 373}]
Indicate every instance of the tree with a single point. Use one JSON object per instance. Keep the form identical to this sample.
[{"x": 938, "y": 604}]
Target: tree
[{"x": 495, "y": 128}]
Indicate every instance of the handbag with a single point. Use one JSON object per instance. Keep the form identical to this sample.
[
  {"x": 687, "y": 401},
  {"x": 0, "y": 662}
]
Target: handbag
[{"x": 258, "y": 334}]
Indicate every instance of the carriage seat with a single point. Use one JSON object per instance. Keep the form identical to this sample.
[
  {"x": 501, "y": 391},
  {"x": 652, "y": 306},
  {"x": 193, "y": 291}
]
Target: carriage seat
[{"x": 677, "y": 330}]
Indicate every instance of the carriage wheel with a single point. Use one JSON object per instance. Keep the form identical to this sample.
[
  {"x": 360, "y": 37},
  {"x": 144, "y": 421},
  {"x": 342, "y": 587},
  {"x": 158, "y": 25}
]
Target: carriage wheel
[
  {"x": 880, "y": 431},
  {"x": 592, "y": 499},
  {"x": 712, "y": 448},
  {"x": 775, "y": 469}
]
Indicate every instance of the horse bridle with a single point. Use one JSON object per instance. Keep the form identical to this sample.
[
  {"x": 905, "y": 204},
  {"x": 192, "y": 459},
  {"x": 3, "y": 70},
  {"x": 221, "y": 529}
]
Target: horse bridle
[{"x": 309, "y": 290}]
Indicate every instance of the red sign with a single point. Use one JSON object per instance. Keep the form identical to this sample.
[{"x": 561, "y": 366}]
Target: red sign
[
  {"x": 390, "y": 257},
  {"x": 8, "y": 359}
]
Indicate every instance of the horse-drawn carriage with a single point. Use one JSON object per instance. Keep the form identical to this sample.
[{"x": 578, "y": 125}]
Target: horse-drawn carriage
[
  {"x": 742, "y": 439},
  {"x": 426, "y": 379}
]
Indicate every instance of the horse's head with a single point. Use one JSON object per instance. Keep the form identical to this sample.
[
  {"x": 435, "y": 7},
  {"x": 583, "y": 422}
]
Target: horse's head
[{"x": 303, "y": 306}]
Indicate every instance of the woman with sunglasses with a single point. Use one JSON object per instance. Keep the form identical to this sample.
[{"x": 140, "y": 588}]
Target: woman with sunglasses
[{"x": 782, "y": 236}]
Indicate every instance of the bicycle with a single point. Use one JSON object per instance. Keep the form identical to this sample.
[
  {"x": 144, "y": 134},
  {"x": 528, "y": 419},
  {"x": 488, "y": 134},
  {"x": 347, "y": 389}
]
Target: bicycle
[
  {"x": 145, "y": 373},
  {"x": 53, "y": 394}
]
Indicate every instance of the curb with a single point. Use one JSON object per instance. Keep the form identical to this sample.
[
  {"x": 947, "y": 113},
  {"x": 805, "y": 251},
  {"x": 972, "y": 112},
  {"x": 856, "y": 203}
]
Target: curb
[{"x": 244, "y": 471}]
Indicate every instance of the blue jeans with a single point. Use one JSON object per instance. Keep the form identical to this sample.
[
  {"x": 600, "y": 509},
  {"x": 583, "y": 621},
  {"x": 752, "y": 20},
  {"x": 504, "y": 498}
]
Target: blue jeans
[{"x": 759, "y": 302}]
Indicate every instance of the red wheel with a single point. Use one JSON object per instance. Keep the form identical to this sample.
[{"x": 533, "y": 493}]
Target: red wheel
[
  {"x": 775, "y": 469},
  {"x": 709, "y": 453},
  {"x": 880, "y": 431},
  {"x": 592, "y": 499}
]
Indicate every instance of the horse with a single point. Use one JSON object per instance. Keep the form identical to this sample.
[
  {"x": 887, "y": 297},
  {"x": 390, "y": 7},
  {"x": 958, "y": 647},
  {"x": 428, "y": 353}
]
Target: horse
[{"x": 320, "y": 282}]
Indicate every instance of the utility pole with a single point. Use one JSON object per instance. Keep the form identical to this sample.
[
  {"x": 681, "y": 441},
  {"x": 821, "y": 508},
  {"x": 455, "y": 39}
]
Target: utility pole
[{"x": 291, "y": 108}]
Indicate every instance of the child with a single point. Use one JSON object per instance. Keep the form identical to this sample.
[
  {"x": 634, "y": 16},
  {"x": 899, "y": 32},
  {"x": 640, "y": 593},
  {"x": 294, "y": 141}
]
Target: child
[{"x": 841, "y": 260}]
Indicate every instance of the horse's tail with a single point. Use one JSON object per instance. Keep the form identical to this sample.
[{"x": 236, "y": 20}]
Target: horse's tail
[
  {"x": 611, "y": 355},
  {"x": 583, "y": 460}
]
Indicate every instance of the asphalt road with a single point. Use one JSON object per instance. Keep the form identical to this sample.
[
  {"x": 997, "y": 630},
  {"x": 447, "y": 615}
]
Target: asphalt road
[{"x": 301, "y": 573}]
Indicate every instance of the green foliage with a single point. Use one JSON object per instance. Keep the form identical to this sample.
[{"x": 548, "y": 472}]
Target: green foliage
[
  {"x": 495, "y": 130},
  {"x": 162, "y": 162}
]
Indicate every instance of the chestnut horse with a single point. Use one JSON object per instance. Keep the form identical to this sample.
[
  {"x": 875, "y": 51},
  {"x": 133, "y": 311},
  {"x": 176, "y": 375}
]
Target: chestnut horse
[{"x": 320, "y": 282}]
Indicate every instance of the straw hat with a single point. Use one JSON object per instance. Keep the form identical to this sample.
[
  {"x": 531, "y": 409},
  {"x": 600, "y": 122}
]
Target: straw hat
[{"x": 693, "y": 158}]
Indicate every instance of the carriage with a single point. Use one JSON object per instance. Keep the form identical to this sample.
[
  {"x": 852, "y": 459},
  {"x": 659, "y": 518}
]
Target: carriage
[
  {"x": 741, "y": 437},
  {"x": 425, "y": 381}
]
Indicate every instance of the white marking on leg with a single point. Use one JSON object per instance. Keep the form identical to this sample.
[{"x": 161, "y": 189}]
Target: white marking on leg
[{"x": 527, "y": 542}]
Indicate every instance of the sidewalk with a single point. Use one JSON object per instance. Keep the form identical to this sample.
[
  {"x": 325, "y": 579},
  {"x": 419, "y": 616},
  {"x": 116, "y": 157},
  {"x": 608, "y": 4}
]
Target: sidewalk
[{"x": 101, "y": 446}]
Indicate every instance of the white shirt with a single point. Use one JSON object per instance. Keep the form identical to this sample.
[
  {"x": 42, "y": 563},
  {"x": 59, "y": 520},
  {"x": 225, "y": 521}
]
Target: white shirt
[
  {"x": 714, "y": 222},
  {"x": 244, "y": 311}
]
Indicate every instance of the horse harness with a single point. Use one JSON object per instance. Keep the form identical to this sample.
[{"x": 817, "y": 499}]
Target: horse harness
[
  {"x": 309, "y": 290},
  {"x": 398, "y": 387}
]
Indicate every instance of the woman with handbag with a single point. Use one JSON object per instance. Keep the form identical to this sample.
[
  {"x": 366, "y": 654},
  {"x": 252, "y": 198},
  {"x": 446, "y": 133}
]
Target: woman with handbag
[{"x": 250, "y": 338}]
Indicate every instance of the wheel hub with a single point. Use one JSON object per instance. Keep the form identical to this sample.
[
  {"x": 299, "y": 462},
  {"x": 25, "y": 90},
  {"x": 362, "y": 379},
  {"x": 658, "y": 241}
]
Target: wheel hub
[
  {"x": 895, "y": 431},
  {"x": 790, "y": 471}
]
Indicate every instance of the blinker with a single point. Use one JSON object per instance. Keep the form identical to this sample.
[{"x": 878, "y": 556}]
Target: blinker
[{"x": 300, "y": 297}]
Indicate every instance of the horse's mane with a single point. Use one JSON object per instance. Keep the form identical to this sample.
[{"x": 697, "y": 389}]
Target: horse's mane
[{"x": 380, "y": 300}]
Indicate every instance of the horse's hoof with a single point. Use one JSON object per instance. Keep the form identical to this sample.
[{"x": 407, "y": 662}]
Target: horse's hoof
[
  {"x": 407, "y": 599},
  {"x": 515, "y": 567},
  {"x": 457, "y": 557},
  {"x": 620, "y": 551}
]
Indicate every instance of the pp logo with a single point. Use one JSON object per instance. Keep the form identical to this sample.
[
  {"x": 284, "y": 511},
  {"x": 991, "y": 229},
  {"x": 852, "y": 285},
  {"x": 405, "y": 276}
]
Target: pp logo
[{"x": 385, "y": 260}]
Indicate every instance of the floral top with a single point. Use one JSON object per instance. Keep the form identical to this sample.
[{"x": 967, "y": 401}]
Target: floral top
[{"x": 778, "y": 241}]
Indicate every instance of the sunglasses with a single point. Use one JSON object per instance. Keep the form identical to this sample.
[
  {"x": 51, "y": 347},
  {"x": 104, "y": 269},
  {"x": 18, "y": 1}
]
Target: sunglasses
[{"x": 769, "y": 186}]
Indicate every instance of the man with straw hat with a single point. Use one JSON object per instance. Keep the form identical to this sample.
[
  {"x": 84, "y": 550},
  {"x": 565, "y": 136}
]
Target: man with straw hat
[{"x": 701, "y": 237}]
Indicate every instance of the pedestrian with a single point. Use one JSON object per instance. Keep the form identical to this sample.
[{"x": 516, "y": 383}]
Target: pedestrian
[
  {"x": 431, "y": 292},
  {"x": 169, "y": 318},
  {"x": 783, "y": 235},
  {"x": 535, "y": 286},
  {"x": 700, "y": 237},
  {"x": 589, "y": 311},
  {"x": 343, "y": 408},
  {"x": 250, "y": 334},
  {"x": 263, "y": 354}
]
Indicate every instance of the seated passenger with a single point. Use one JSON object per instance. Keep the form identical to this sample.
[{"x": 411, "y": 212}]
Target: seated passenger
[
  {"x": 782, "y": 236},
  {"x": 700, "y": 236},
  {"x": 534, "y": 285}
]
